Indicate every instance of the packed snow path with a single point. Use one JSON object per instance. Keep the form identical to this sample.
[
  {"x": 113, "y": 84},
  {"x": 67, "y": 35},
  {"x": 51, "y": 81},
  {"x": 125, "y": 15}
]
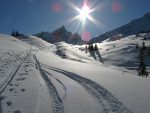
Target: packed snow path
[
  {"x": 72, "y": 81},
  {"x": 10, "y": 64},
  {"x": 104, "y": 101},
  {"x": 57, "y": 103},
  {"x": 105, "y": 98},
  {"x": 10, "y": 60}
]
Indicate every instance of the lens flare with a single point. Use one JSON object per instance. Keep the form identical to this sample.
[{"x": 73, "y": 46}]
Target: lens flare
[
  {"x": 86, "y": 36},
  {"x": 56, "y": 7},
  {"x": 116, "y": 7}
]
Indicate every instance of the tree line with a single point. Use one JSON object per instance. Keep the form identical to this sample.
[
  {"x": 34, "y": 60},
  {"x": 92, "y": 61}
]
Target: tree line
[
  {"x": 91, "y": 47},
  {"x": 16, "y": 34}
]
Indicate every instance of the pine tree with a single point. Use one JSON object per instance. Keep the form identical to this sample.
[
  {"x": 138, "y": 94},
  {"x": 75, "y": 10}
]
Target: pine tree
[
  {"x": 136, "y": 46},
  {"x": 17, "y": 34},
  {"x": 143, "y": 46},
  {"x": 89, "y": 47},
  {"x": 149, "y": 51},
  {"x": 142, "y": 67},
  {"x": 92, "y": 48},
  {"x": 95, "y": 47},
  {"x": 13, "y": 33}
]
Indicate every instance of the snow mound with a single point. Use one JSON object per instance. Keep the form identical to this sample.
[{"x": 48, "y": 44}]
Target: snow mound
[
  {"x": 71, "y": 52},
  {"x": 35, "y": 41},
  {"x": 11, "y": 43}
]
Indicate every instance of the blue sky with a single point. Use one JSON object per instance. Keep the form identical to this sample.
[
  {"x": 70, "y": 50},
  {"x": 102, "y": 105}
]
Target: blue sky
[{"x": 33, "y": 16}]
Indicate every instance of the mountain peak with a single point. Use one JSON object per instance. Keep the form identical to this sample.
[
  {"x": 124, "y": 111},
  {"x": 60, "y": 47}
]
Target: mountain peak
[
  {"x": 61, "y": 29},
  {"x": 60, "y": 34}
]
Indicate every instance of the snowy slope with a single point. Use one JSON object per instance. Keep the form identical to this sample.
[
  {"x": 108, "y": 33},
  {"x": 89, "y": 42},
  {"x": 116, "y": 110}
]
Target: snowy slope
[
  {"x": 123, "y": 52},
  {"x": 69, "y": 51},
  {"x": 106, "y": 76},
  {"x": 134, "y": 27},
  {"x": 9, "y": 42},
  {"x": 36, "y": 42},
  {"x": 20, "y": 82},
  {"x": 45, "y": 82}
]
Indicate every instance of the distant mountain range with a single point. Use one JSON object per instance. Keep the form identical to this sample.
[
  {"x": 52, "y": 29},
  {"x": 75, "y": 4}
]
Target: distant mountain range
[
  {"x": 61, "y": 34},
  {"x": 134, "y": 27}
]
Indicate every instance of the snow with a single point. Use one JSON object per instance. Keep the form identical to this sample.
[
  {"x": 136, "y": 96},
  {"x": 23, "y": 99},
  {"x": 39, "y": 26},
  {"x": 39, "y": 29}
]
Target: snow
[
  {"x": 34, "y": 41},
  {"x": 38, "y": 77},
  {"x": 136, "y": 26},
  {"x": 123, "y": 52}
]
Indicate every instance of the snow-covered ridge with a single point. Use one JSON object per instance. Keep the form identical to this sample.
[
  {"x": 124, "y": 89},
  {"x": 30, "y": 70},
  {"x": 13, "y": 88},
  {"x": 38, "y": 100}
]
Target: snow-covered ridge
[
  {"x": 71, "y": 52},
  {"x": 9, "y": 42},
  {"x": 35, "y": 41},
  {"x": 123, "y": 52},
  {"x": 134, "y": 27}
]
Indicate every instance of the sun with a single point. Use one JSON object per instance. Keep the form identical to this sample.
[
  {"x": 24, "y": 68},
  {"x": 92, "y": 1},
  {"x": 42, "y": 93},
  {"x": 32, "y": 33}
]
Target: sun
[{"x": 84, "y": 13}]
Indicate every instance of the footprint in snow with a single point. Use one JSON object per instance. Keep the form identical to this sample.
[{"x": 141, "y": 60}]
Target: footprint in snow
[
  {"x": 18, "y": 111},
  {"x": 11, "y": 84},
  {"x": 9, "y": 103},
  {"x": 15, "y": 92},
  {"x": 23, "y": 74},
  {"x": 20, "y": 79},
  {"x": 2, "y": 98},
  {"x": 23, "y": 90},
  {"x": 11, "y": 89},
  {"x": 16, "y": 85}
]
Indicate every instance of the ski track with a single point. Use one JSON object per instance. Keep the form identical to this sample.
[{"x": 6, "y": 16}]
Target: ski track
[
  {"x": 12, "y": 53},
  {"x": 63, "y": 86},
  {"x": 57, "y": 103},
  {"x": 104, "y": 108},
  {"x": 9, "y": 78},
  {"x": 110, "y": 103}
]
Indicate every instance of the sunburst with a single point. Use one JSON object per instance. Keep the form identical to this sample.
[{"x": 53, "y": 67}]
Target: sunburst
[{"x": 84, "y": 13}]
